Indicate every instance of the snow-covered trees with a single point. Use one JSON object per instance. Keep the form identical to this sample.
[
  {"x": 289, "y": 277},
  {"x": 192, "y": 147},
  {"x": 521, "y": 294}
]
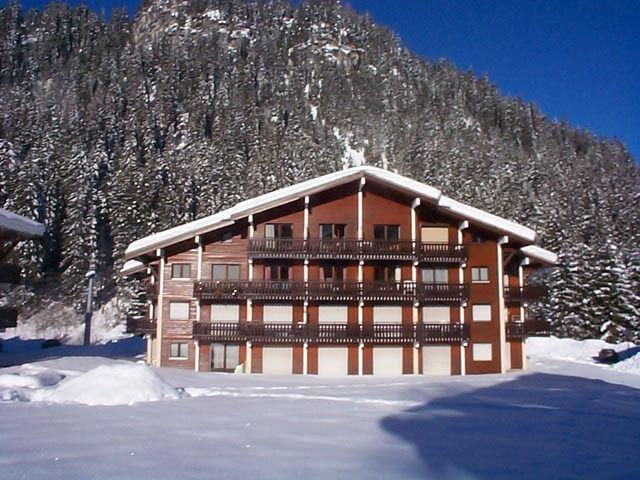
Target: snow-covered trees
[{"x": 110, "y": 130}]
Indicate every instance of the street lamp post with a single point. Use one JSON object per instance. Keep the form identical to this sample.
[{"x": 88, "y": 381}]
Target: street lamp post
[{"x": 87, "y": 315}]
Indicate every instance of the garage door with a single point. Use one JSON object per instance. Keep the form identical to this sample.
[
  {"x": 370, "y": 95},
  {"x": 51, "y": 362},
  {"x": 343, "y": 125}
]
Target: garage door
[
  {"x": 277, "y": 360},
  {"x": 332, "y": 361},
  {"x": 387, "y": 361},
  {"x": 277, "y": 313},
  {"x": 332, "y": 313},
  {"x": 387, "y": 314},
  {"x": 436, "y": 360},
  {"x": 436, "y": 314}
]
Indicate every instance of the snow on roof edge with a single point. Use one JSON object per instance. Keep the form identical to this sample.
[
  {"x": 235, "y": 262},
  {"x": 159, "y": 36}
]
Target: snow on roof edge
[
  {"x": 132, "y": 266},
  {"x": 482, "y": 216},
  {"x": 292, "y": 192},
  {"x": 20, "y": 224},
  {"x": 540, "y": 253}
]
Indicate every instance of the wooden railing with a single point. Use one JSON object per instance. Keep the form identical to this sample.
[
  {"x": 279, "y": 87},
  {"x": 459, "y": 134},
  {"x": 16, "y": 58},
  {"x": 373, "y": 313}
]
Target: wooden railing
[
  {"x": 8, "y": 317},
  {"x": 330, "y": 333},
  {"x": 330, "y": 290},
  {"x": 141, "y": 325},
  {"x": 525, "y": 294},
  {"x": 344, "y": 248},
  {"x": 518, "y": 331},
  {"x": 9, "y": 273}
]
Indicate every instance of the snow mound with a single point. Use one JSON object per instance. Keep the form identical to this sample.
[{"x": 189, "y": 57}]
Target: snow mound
[
  {"x": 117, "y": 384},
  {"x": 33, "y": 380}
]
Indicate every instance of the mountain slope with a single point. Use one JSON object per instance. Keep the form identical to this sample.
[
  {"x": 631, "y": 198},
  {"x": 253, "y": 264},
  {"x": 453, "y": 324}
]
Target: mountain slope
[{"x": 113, "y": 130}]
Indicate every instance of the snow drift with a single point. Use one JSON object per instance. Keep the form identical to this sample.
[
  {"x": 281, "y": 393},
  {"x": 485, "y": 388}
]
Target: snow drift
[{"x": 114, "y": 384}]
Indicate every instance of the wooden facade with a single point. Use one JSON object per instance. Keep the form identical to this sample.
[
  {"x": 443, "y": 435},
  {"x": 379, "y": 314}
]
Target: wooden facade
[{"x": 353, "y": 283}]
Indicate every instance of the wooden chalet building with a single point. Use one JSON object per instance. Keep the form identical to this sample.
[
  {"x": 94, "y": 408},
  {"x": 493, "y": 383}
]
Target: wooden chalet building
[
  {"x": 357, "y": 272},
  {"x": 14, "y": 228}
]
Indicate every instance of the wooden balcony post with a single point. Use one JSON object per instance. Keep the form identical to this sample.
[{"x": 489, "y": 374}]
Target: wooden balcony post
[
  {"x": 197, "y": 355},
  {"x": 158, "y": 351},
  {"x": 501, "y": 304},
  {"x": 461, "y": 227}
]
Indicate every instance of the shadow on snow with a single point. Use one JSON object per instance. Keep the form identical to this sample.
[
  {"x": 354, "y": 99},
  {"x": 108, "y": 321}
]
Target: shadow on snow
[{"x": 535, "y": 426}]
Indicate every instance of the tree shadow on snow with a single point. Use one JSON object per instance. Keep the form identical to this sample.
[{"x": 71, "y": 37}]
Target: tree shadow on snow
[
  {"x": 536, "y": 426},
  {"x": 16, "y": 351}
]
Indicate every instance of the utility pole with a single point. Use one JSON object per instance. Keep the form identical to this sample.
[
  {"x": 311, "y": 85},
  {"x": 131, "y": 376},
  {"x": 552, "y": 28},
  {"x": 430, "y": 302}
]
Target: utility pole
[{"x": 87, "y": 315}]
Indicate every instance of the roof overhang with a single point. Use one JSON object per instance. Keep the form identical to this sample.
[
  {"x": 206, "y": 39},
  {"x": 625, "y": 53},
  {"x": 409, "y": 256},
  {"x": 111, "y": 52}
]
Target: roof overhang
[
  {"x": 540, "y": 254},
  {"x": 17, "y": 227}
]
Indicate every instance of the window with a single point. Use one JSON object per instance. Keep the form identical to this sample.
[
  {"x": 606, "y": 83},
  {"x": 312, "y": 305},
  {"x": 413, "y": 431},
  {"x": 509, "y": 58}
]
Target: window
[
  {"x": 222, "y": 271},
  {"x": 386, "y": 274},
  {"x": 482, "y": 352},
  {"x": 228, "y": 313},
  {"x": 479, "y": 274},
  {"x": 179, "y": 311},
  {"x": 277, "y": 272},
  {"x": 332, "y": 273},
  {"x": 278, "y": 230},
  {"x": 332, "y": 230},
  {"x": 386, "y": 232},
  {"x": 435, "y": 275},
  {"x": 179, "y": 350},
  {"x": 224, "y": 358},
  {"x": 481, "y": 313},
  {"x": 434, "y": 234},
  {"x": 181, "y": 270}
]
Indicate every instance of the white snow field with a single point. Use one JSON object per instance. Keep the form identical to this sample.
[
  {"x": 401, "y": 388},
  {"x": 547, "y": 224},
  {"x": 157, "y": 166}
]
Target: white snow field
[{"x": 564, "y": 418}]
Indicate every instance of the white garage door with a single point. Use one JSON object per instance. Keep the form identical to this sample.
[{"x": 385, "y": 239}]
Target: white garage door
[
  {"x": 225, "y": 313},
  {"x": 277, "y": 313},
  {"x": 387, "y": 314},
  {"x": 332, "y": 361},
  {"x": 507, "y": 355},
  {"x": 277, "y": 360},
  {"x": 436, "y": 360},
  {"x": 332, "y": 313},
  {"x": 387, "y": 361},
  {"x": 436, "y": 314}
]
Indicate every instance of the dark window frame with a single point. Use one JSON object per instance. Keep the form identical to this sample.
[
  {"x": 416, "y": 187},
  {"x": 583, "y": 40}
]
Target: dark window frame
[
  {"x": 226, "y": 271},
  {"x": 480, "y": 271},
  {"x": 182, "y": 350},
  {"x": 386, "y": 228},
  {"x": 278, "y": 230}
]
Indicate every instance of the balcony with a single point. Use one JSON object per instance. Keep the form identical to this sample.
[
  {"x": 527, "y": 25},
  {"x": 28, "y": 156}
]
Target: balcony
[
  {"x": 330, "y": 333},
  {"x": 519, "y": 331},
  {"x": 330, "y": 291},
  {"x": 350, "y": 249},
  {"x": 141, "y": 325},
  {"x": 526, "y": 294},
  {"x": 9, "y": 274},
  {"x": 8, "y": 317}
]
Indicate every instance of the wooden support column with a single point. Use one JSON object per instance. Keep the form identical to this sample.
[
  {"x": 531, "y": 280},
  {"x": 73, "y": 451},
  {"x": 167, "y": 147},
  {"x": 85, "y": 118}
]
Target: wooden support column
[
  {"x": 414, "y": 278},
  {"x": 501, "y": 305},
  {"x": 250, "y": 278},
  {"x": 158, "y": 351},
  {"x": 523, "y": 315},
  {"x": 463, "y": 352}
]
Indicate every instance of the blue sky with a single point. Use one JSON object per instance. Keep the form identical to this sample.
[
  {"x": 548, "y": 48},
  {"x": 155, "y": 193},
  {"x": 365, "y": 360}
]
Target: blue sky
[{"x": 578, "y": 60}]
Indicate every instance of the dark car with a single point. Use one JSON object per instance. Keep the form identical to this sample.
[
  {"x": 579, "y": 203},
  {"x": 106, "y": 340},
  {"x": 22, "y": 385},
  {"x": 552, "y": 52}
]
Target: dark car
[{"x": 607, "y": 355}]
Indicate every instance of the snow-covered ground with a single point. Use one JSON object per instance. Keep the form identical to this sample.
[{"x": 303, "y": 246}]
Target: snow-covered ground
[{"x": 564, "y": 418}]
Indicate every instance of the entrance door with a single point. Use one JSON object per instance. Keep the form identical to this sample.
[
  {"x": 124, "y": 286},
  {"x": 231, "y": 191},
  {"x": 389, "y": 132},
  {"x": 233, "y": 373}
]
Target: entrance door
[{"x": 224, "y": 358}]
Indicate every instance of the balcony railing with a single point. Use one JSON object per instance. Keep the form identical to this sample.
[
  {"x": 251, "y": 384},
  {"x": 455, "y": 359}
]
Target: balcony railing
[
  {"x": 350, "y": 249},
  {"x": 518, "y": 331},
  {"x": 525, "y": 294},
  {"x": 8, "y": 317},
  {"x": 9, "y": 274},
  {"x": 330, "y": 291},
  {"x": 141, "y": 325},
  {"x": 331, "y": 333}
]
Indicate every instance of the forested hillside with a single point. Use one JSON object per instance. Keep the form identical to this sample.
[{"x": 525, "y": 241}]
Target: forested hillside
[{"x": 111, "y": 130}]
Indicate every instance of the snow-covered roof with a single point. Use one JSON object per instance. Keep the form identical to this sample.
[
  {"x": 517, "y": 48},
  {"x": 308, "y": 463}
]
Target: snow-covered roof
[
  {"x": 19, "y": 226},
  {"x": 285, "y": 195},
  {"x": 539, "y": 253},
  {"x": 132, "y": 266}
]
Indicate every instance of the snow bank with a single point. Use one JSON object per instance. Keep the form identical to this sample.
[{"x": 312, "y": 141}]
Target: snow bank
[
  {"x": 117, "y": 384},
  {"x": 583, "y": 351},
  {"x": 30, "y": 380}
]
